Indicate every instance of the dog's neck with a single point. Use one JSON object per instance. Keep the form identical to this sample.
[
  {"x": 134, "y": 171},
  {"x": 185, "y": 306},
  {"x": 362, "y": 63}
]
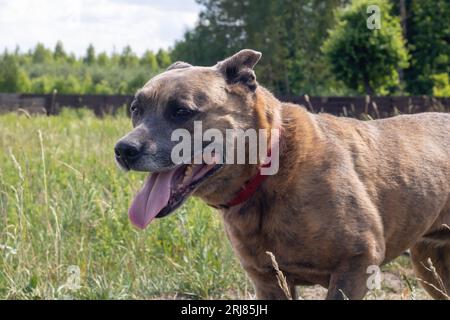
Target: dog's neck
[
  {"x": 267, "y": 112},
  {"x": 300, "y": 136},
  {"x": 300, "y": 139}
]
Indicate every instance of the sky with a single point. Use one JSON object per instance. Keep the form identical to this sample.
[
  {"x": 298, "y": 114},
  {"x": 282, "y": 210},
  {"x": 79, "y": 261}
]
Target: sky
[{"x": 108, "y": 24}]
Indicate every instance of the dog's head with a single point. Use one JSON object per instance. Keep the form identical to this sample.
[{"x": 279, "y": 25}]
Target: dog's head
[{"x": 218, "y": 97}]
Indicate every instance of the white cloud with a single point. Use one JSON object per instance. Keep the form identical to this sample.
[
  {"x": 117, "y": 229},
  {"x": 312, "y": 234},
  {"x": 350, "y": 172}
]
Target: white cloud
[{"x": 108, "y": 24}]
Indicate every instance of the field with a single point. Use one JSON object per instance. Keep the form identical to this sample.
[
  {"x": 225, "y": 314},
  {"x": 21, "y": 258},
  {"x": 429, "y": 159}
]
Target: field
[{"x": 64, "y": 230}]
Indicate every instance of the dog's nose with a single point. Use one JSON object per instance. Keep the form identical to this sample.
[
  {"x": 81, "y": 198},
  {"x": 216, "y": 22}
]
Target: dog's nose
[{"x": 127, "y": 151}]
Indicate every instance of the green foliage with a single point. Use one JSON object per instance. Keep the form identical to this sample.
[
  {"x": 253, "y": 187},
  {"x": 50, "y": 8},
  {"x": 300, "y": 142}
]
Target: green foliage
[
  {"x": 42, "y": 70},
  {"x": 12, "y": 77},
  {"x": 128, "y": 58},
  {"x": 163, "y": 58},
  {"x": 69, "y": 85},
  {"x": 42, "y": 84},
  {"x": 441, "y": 87},
  {"x": 90, "y": 55},
  {"x": 149, "y": 59},
  {"x": 428, "y": 29},
  {"x": 103, "y": 59},
  {"x": 41, "y": 54},
  {"x": 365, "y": 59},
  {"x": 59, "y": 52},
  {"x": 24, "y": 83},
  {"x": 292, "y": 33},
  {"x": 288, "y": 32},
  {"x": 313, "y": 47}
]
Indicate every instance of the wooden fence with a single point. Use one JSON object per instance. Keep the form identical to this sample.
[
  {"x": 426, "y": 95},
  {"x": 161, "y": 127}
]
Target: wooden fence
[
  {"x": 376, "y": 107},
  {"x": 52, "y": 104}
]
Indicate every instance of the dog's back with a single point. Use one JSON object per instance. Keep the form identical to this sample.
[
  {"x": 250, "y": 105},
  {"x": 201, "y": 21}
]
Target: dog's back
[
  {"x": 403, "y": 162},
  {"x": 397, "y": 168}
]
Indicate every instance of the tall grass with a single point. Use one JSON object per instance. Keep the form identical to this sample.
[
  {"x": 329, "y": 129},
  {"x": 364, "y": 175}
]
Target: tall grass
[
  {"x": 64, "y": 230},
  {"x": 63, "y": 207}
]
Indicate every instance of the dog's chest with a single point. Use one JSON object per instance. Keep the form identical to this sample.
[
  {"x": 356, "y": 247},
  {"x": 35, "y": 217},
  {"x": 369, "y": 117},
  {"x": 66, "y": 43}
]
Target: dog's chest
[
  {"x": 289, "y": 248},
  {"x": 252, "y": 247},
  {"x": 252, "y": 252}
]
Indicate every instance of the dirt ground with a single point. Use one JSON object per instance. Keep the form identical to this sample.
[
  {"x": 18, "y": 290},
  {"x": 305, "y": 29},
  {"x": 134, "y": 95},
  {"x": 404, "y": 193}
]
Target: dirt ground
[{"x": 398, "y": 283}]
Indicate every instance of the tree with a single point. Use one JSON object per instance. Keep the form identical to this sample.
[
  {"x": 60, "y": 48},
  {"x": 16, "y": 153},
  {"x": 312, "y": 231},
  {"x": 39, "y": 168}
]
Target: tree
[
  {"x": 307, "y": 24},
  {"x": 12, "y": 77},
  {"x": 289, "y": 33},
  {"x": 149, "y": 60},
  {"x": 90, "y": 55},
  {"x": 163, "y": 58},
  {"x": 59, "y": 53},
  {"x": 441, "y": 86},
  {"x": 43, "y": 84},
  {"x": 365, "y": 59},
  {"x": 23, "y": 82},
  {"x": 103, "y": 59},
  {"x": 41, "y": 70},
  {"x": 68, "y": 85},
  {"x": 428, "y": 36},
  {"x": 103, "y": 88},
  {"x": 128, "y": 58},
  {"x": 137, "y": 82},
  {"x": 41, "y": 54}
]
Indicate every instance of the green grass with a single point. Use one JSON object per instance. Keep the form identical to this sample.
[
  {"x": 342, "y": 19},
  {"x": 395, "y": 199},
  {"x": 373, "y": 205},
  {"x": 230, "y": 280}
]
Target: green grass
[
  {"x": 63, "y": 207},
  {"x": 64, "y": 203}
]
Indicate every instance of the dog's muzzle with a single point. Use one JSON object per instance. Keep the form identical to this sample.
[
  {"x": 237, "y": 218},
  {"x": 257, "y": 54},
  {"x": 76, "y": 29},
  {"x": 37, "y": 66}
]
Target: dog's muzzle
[{"x": 127, "y": 153}]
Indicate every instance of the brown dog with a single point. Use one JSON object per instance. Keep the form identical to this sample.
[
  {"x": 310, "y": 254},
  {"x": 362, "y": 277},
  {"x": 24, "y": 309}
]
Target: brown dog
[{"x": 348, "y": 195}]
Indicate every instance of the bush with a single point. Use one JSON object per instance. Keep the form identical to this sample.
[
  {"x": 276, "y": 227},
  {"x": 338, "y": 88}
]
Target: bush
[
  {"x": 441, "y": 86},
  {"x": 366, "y": 60}
]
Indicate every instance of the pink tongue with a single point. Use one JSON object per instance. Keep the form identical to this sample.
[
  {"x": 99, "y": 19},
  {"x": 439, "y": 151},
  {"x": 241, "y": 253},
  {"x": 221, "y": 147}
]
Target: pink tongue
[{"x": 153, "y": 197}]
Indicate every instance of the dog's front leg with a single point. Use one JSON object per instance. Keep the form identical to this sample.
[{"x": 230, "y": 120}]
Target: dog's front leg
[
  {"x": 350, "y": 281},
  {"x": 267, "y": 287},
  {"x": 272, "y": 291},
  {"x": 348, "y": 285}
]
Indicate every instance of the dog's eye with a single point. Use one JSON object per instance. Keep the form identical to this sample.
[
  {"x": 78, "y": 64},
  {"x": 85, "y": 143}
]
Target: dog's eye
[
  {"x": 134, "y": 107},
  {"x": 182, "y": 114}
]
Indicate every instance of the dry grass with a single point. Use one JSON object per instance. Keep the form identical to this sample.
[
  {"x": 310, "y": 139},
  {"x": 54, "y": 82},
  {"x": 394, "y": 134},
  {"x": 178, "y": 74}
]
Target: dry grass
[
  {"x": 280, "y": 276},
  {"x": 441, "y": 289}
]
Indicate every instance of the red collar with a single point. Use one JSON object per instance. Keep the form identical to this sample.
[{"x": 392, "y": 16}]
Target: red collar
[
  {"x": 252, "y": 185},
  {"x": 249, "y": 188}
]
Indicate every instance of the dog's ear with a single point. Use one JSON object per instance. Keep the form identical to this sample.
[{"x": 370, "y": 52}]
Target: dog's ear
[
  {"x": 239, "y": 68},
  {"x": 179, "y": 65}
]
